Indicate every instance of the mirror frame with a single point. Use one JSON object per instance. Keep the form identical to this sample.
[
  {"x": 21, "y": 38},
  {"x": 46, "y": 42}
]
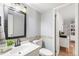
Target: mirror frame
[
  {"x": 0, "y": 20},
  {"x": 6, "y": 23}
]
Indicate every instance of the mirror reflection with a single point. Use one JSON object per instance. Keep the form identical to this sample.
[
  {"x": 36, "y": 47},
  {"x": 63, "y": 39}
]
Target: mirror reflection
[{"x": 16, "y": 23}]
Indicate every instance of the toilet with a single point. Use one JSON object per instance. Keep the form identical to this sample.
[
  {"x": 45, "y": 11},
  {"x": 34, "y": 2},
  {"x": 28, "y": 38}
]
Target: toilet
[{"x": 43, "y": 51}]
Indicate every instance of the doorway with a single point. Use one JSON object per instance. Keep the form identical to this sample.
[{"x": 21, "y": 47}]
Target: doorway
[{"x": 65, "y": 30}]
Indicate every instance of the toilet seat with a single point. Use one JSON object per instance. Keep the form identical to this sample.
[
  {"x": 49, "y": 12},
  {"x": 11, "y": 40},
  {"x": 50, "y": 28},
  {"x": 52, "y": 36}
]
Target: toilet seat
[{"x": 45, "y": 52}]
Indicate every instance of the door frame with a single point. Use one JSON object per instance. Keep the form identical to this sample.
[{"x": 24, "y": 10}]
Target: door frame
[{"x": 76, "y": 25}]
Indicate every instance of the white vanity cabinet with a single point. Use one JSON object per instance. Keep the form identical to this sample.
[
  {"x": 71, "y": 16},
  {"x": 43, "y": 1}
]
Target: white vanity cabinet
[
  {"x": 64, "y": 42},
  {"x": 33, "y": 53}
]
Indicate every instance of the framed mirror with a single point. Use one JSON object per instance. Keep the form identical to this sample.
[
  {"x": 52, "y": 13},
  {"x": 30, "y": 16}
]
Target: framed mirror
[
  {"x": 0, "y": 20},
  {"x": 14, "y": 23}
]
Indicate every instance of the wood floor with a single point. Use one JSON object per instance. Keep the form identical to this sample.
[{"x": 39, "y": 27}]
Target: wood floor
[{"x": 70, "y": 52}]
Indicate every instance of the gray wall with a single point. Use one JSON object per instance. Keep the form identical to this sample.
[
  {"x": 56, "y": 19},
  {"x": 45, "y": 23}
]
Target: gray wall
[
  {"x": 47, "y": 30},
  {"x": 2, "y": 20},
  {"x": 78, "y": 29},
  {"x": 33, "y": 22},
  {"x": 47, "y": 23},
  {"x": 2, "y": 35}
]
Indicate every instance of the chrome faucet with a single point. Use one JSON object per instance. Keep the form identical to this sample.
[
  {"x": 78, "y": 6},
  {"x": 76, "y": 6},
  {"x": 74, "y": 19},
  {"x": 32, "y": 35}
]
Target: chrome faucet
[{"x": 17, "y": 42}]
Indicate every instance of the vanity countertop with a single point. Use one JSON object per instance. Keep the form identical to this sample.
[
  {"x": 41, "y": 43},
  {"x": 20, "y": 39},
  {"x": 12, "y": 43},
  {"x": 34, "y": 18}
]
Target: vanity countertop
[
  {"x": 63, "y": 36},
  {"x": 22, "y": 50}
]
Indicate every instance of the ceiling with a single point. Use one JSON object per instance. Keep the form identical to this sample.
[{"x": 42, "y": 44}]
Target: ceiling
[
  {"x": 43, "y": 7},
  {"x": 68, "y": 12}
]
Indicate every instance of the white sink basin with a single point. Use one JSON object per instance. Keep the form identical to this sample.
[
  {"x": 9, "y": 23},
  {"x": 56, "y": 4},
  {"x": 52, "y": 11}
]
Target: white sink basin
[
  {"x": 18, "y": 50},
  {"x": 22, "y": 50}
]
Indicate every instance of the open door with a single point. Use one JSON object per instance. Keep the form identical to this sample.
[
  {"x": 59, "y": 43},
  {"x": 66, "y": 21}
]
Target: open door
[{"x": 59, "y": 28}]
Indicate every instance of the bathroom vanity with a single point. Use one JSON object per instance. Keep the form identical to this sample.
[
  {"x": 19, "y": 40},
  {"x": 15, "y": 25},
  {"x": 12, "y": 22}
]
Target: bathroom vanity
[
  {"x": 26, "y": 49},
  {"x": 64, "y": 40}
]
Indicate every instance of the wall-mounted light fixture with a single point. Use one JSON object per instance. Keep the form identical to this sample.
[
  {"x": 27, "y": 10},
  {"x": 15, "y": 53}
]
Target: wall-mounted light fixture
[{"x": 18, "y": 6}]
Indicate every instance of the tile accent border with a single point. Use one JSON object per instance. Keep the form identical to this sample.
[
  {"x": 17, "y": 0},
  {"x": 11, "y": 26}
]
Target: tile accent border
[{"x": 36, "y": 38}]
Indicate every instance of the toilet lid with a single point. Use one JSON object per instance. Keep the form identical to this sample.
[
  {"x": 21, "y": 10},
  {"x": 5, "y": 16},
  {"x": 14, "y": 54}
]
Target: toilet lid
[{"x": 45, "y": 52}]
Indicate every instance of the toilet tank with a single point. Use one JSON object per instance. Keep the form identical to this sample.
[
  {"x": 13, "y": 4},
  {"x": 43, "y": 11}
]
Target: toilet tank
[{"x": 38, "y": 42}]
